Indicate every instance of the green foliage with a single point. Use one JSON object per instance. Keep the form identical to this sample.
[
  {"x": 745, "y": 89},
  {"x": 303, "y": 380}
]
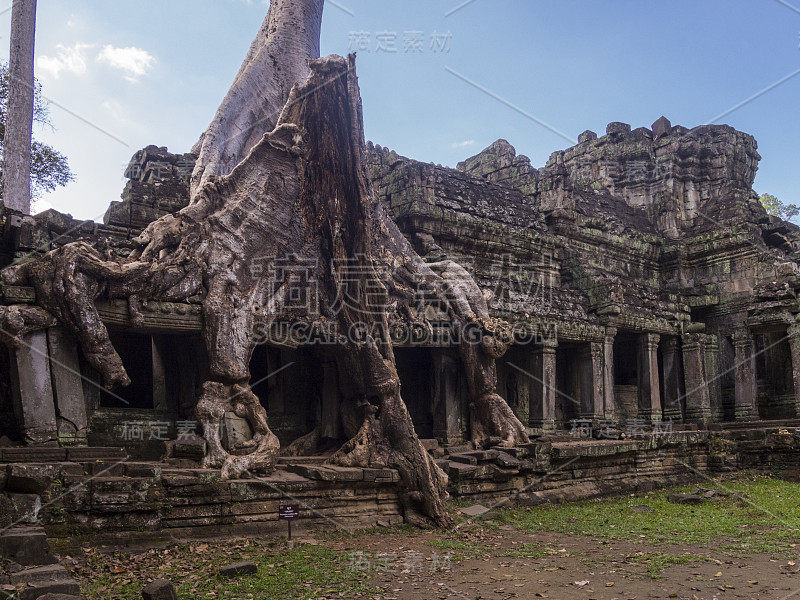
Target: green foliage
[
  {"x": 49, "y": 168},
  {"x": 776, "y": 208}
]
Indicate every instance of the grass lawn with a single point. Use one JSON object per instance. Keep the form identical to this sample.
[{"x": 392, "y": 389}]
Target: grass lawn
[{"x": 767, "y": 520}]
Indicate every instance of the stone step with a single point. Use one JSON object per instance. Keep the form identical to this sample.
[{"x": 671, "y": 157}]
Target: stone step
[
  {"x": 482, "y": 455},
  {"x": 430, "y": 444},
  {"x": 178, "y": 477},
  {"x": 507, "y": 461},
  {"x": 34, "y": 591},
  {"x": 457, "y": 471},
  {"x": 31, "y": 478},
  {"x": 467, "y": 459},
  {"x": 301, "y": 460},
  {"x": 326, "y": 472},
  {"x": 85, "y": 454},
  {"x": 141, "y": 470},
  {"x": 37, "y": 454},
  {"x": 458, "y": 449},
  {"x": 107, "y": 468},
  {"x": 26, "y": 546},
  {"x": 442, "y": 463},
  {"x": 122, "y": 484},
  {"x": 34, "y": 582},
  {"x": 516, "y": 452},
  {"x": 52, "y": 572},
  {"x": 48, "y": 454}
]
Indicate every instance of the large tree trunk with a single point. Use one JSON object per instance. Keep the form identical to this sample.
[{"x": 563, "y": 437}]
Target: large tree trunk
[
  {"x": 19, "y": 115},
  {"x": 301, "y": 198},
  {"x": 276, "y": 61}
]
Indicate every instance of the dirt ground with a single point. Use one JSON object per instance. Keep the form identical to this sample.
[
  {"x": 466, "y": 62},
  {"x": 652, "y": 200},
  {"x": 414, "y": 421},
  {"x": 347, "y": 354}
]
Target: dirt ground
[{"x": 408, "y": 567}]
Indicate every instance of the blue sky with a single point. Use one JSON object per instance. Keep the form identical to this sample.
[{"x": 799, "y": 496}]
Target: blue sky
[{"x": 123, "y": 75}]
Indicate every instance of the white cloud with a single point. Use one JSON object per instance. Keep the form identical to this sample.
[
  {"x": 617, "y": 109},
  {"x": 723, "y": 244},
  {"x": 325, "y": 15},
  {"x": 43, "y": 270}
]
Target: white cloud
[
  {"x": 68, "y": 58},
  {"x": 464, "y": 144},
  {"x": 135, "y": 62}
]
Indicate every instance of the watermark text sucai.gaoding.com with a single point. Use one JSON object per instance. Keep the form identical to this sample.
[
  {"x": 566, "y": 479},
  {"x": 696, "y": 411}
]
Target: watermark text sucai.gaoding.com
[{"x": 443, "y": 334}]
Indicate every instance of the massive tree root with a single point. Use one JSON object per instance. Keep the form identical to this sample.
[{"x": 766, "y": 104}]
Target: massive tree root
[
  {"x": 260, "y": 452},
  {"x": 301, "y": 192}
]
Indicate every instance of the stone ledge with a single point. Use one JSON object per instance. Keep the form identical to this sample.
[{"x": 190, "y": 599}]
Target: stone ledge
[
  {"x": 599, "y": 448},
  {"x": 327, "y": 472}
]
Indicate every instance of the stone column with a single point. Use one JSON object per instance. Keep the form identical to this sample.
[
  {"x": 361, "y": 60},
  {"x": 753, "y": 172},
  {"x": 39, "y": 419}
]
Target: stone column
[
  {"x": 713, "y": 377},
  {"x": 276, "y": 388},
  {"x": 542, "y": 411},
  {"x": 793, "y": 333},
  {"x": 517, "y": 384},
  {"x": 446, "y": 409},
  {"x": 160, "y": 400},
  {"x": 608, "y": 372},
  {"x": 591, "y": 381},
  {"x": 670, "y": 350},
  {"x": 329, "y": 425},
  {"x": 647, "y": 363},
  {"x": 698, "y": 407},
  {"x": 68, "y": 386},
  {"x": 745, "y": 375},
  {"x": 32, "y": 389}
]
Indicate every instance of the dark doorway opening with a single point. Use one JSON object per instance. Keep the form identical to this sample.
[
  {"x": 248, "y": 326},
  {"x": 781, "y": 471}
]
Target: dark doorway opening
[
  {"x": 415, "y": 368},
  {"x": 136, "y": 352}
]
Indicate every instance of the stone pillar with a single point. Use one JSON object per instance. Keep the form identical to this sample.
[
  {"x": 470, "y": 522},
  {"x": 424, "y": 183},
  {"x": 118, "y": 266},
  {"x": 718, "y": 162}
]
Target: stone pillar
[
  {"x": 608, "y": 372},
  {"x": 446, "y": 409},
  {"x": 329, "y": 421},
  {"x": 542, "y": 413},
  {"x": 793, "y": 334},
  {"x": 591, "y": 381},
  {"x": 517, "y": 384},
  {"x": 745, "y": 375},
  {"x": 67, "y": 386},
  {"x": 670, "y": 350},
  {"x": 32, "y": 389},
  {"x": 647, "y": 363},
  {"x": 698, "y": 407},
  {"x": 160, "y": 400},
  {"x": 276, "y": 388},
  {"x": 714, "y": 378}
]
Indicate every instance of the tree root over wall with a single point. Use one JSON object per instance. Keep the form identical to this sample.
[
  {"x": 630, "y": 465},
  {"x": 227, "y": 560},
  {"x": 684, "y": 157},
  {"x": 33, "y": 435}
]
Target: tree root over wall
[{"x": 302, "y": 190}]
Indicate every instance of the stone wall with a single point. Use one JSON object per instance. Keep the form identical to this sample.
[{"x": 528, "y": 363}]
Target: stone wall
[
  {"x": 122, "y": 501},
  {"x": 158, "y": 185},
  {"x": 648, "y": 245}
]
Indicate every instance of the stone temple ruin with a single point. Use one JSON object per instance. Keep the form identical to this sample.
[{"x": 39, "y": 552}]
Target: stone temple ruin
[{"x": 651, "y": 298}]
